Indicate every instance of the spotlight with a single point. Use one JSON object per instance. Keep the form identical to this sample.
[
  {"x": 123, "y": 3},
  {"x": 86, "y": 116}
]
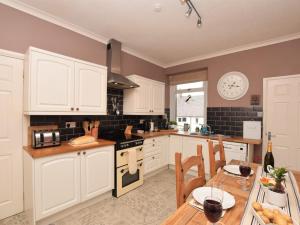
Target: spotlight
[
  {"x": 199, "y": 22},
  {"x": 188, "y": 13}
]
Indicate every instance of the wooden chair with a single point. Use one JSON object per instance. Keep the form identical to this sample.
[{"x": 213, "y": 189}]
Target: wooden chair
[
  {"x": 183, "y": 189},
  {"x": 214, "y": 164}
]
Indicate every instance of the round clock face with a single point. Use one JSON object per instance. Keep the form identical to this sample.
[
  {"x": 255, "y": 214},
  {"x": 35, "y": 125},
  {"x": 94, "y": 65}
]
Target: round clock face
[{"x": 233, "y": 85}]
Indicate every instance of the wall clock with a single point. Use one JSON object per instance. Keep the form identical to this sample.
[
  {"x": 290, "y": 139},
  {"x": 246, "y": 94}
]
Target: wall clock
[{"x": 233, "y": 85}]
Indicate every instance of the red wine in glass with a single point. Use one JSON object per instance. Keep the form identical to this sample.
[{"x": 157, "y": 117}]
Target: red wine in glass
[
  {"x": 245, "y": 170},
  {"x": 213, "y": 209}
]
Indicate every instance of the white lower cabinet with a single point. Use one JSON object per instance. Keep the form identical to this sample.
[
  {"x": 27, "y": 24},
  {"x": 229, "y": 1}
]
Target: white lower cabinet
[
  {"x": 61, "y": 181},
  {"x": 57, "y": 183},
  {"x": 175, "y": 146},
  {"x": 189, "y": 148},
  {"x": 97, "y": 174},
  {"x": 155, "y": 153}
]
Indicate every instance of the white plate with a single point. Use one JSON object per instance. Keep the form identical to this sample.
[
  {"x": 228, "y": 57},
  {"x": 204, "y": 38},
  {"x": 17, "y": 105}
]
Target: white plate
[
  {"x": 234, "y": 169},
  {"x": 201, "y": 193},
  {"x": 266, "y": 205}
]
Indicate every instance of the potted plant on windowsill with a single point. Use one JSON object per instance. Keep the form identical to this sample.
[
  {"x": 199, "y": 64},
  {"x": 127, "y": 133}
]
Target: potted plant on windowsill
[
  {"x": 173, "y": 124},
  {"x": 276, "y": 194}
]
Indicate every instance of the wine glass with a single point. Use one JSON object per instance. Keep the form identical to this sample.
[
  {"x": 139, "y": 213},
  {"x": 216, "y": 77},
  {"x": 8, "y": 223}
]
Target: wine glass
[
  {"x": 212, "y": 205},
  {"x": 245, "y": 171}
]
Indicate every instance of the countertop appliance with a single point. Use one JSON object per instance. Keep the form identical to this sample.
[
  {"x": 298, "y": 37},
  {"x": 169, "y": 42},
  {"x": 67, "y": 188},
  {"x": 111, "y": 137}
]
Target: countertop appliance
[
  {"x": 252, "y": 129},
  {"x": 124, "y": 181},
  {"x": 45, "y": 138}
]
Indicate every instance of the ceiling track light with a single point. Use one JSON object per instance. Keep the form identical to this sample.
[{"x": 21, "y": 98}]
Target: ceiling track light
[{"x": 190, "y": 9}]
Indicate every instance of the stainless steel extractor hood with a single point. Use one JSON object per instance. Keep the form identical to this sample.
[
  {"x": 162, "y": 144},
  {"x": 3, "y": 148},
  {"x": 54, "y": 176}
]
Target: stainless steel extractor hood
[{"x": 114, "y": 77}]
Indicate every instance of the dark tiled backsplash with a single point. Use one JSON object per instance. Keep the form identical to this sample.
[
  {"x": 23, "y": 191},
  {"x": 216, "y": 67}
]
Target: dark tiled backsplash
[
  {"x": 229, "y": 120},
  {"x": 108, "y": 121}
]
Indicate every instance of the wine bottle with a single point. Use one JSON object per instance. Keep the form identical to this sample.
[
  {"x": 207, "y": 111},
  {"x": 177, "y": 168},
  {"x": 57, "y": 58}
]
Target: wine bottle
[{"x": 269, "y": 159}]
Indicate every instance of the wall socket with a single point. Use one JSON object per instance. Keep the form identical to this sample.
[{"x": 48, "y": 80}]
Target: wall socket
[{"x": 70, "y": 124}]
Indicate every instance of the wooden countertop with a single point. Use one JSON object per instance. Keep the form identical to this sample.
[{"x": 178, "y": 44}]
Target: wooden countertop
[
  {"x": 187, "y": 134},
  {"x": 65, "y": 147}
]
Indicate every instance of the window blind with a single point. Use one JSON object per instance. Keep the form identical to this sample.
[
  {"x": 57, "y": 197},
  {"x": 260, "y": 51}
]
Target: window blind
[{"x": 188, "y": 77}]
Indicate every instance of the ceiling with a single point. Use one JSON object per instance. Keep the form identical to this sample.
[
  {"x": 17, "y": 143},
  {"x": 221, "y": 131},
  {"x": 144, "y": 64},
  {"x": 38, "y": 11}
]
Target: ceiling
[{"x": 168, "y": 37}]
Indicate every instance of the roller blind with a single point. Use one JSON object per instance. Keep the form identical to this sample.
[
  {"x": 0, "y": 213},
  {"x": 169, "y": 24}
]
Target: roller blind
[{"x": 188, "y": 77}]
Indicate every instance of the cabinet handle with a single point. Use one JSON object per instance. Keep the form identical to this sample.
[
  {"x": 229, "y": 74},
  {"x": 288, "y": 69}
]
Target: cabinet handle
[
  {"x": 153, "y": 145},
  {"x": 153, "y": 157},
  {"x": 72, "y": 109},
  {"x": 77, "y": 109},
  {"x": 84, "y": 153},
  {"x": 149, "y": 110},
  {"x": 78, "y": 153}
]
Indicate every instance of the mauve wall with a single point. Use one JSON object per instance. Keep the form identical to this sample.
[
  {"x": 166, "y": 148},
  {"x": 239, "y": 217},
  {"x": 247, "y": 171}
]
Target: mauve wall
[
  {"x": 20, "y": 30},
  {"x": 274, "y": 60}
]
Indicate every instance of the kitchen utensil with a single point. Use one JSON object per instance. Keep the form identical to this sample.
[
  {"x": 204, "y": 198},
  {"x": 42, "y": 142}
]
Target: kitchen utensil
[
  {"x": 234, "y": 169},
  {"x": 186, "y": 127},
  {"x": 199, "y": 194}
]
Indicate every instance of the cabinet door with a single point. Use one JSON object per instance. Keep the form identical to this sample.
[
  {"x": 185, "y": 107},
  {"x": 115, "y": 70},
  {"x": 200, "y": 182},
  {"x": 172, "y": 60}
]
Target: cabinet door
[
  {"x": 97, "y": 172},
  {"x": 163, "y": 144},
  {"x": 175, "y": 146},
  {"x": 189, "y": 148},
  {"x": 152, "y": 163},
  {"x": 90, "y": 89},
  {"x": 57, "y": 183},
  {"x": 158, "y": 98},
  {"x": 52, "y": 83},
  {"x": 142, "y": 96}
]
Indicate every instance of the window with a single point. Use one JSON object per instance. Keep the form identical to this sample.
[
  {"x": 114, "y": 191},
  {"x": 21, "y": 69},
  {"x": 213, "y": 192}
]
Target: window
[{"x": 191, "y": 104}]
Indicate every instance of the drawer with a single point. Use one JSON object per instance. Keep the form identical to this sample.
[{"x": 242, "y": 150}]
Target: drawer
[
  {"x": 122, "y": 155},
  {"x": 152, "y": 163},
  {"x": 150, "y": 141},
  {"x": 151, "y": 150}
]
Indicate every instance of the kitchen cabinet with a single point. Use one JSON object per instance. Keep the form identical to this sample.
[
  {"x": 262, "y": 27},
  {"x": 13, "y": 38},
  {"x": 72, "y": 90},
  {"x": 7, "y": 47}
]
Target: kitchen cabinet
[
  {"x": 155, "y": 153},
  {"x": 58, "y": 182},
  {"x": 60, "y": 85},
  {"x": 189, "y": 148},
  {"x": 147, "y": 99},
  {"x": 175, "y": 146},
  {"x": 95, "y": 164}
]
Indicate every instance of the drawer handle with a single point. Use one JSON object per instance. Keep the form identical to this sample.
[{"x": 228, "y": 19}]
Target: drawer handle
[
  {"x": 84, "y": 153},
  {"x": 153, "y": 157},
  {"x": 77, "y": 109},
  {"x": 72, "y": 109},
  {"x": 153, "y": 145},
  {"x": 78, "y": 153}
]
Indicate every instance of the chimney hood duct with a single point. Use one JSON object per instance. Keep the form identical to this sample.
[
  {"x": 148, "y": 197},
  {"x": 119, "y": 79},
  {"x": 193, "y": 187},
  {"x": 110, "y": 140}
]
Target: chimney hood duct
[{"x": 114, "y": 77}]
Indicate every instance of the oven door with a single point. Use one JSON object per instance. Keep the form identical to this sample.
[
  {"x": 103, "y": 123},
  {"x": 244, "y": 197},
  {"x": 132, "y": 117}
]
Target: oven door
[{"x": 126, "y": 181}]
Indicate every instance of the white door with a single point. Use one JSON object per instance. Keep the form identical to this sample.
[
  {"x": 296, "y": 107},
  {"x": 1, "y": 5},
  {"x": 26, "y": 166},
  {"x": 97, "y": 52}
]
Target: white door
[
  {"x": 281, "y": 118},
  {"x": 142, "y": 95},
  {"x": 158, "y": 98},
  {"x": 175, "y": 146},
  {"x": 57, "y": 183},
  {"x": 97, "y": 172},
  {"x": 11, "y": 173},
  {"x": 52, "y": 83},
  {"x": 90, "y": 89}
]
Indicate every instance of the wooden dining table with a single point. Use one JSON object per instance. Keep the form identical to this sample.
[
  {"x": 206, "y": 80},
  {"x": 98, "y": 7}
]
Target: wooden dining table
[{"x": 188, "y": 215}]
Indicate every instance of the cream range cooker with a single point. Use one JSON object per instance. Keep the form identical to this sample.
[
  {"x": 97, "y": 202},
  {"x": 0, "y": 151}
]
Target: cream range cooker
[{"x": 124, "y": 180}]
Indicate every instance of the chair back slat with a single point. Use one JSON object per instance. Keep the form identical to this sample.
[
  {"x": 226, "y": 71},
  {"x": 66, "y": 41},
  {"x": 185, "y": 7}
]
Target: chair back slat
[
  {"x": 183, "y": 189},
  {"x": 214, "y": 164}
]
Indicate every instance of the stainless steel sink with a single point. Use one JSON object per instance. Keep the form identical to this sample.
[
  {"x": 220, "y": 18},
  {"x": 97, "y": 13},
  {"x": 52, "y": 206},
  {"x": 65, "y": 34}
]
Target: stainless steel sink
[{"x": 195, "y": 134}]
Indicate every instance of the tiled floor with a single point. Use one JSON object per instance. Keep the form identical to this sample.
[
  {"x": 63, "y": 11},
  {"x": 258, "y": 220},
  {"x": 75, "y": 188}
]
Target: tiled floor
[{"x": 148, "y": 205}]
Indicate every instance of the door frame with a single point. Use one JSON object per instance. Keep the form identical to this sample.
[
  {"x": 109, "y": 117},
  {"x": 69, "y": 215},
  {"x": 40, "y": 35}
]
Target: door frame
[{"x": 265, "y": 81}]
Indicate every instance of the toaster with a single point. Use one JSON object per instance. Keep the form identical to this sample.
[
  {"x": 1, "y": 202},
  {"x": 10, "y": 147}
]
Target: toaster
[{"x": 45, "y": 138}]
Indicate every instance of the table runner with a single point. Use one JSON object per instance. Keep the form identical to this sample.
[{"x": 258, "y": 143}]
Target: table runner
[{"x": 257, "y": 194}]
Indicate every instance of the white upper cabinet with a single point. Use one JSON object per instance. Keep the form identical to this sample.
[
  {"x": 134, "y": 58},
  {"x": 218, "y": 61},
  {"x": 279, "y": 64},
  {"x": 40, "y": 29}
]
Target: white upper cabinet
[
  {"x": 147, "y": 99},
  {"x": 91, "y": 88},
  {"x": 56, "y": 84}
]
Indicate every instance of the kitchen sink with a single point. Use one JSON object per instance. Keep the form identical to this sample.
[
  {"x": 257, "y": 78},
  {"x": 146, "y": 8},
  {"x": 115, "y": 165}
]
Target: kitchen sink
[{"x": 209, "y": 136}]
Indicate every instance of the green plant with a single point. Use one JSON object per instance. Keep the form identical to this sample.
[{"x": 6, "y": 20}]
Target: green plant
[
  {"x": 279, "y": 176},
  {"x": 173, "y": 122}
]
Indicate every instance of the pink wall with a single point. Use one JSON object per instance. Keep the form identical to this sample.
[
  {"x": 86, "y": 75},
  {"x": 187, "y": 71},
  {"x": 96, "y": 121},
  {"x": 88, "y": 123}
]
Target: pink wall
[
  {"x": 20, "y": 30},
  {"x": 274, "y": 60}
]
